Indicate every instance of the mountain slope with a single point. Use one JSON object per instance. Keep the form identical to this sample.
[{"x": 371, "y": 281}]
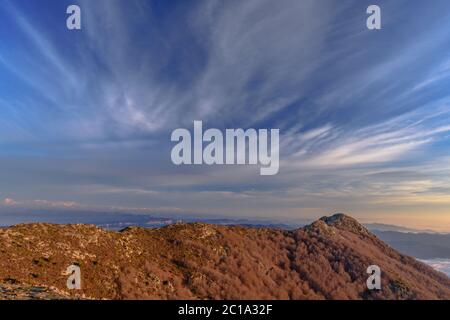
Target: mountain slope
[{"x": 325, "y": 260}]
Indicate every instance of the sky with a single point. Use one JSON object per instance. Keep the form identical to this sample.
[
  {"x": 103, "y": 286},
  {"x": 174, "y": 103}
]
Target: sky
[{"x": 364, "y": 115}]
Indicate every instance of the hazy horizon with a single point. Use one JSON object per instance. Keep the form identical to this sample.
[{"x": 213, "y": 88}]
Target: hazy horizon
[{"x": 138, "y": 217}]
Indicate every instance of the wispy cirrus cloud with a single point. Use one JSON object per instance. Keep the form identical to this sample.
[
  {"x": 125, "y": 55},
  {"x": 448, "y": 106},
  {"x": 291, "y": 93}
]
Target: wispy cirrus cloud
[{"x": 380, "y": 143}]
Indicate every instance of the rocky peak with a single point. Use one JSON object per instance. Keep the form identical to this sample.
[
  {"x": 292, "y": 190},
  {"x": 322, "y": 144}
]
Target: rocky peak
[{"x": 344, "y": 222}]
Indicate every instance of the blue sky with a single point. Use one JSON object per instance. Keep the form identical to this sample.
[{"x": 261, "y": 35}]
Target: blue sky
[{"x": 364, "y": 122}]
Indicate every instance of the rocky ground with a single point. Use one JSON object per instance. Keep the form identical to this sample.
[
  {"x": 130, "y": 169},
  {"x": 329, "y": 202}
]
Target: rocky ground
[{"x": 24, "y": 292}]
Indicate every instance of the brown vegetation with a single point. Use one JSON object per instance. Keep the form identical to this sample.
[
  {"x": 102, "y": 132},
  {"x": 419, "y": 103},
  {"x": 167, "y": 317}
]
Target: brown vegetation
[{"x": 325, "y": 260}]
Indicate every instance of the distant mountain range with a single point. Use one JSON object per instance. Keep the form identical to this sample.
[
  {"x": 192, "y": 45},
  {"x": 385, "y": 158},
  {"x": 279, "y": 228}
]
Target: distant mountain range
[
  {"x": 419, "y": 245},
  {"x": 118, "y": 220},
  {"x": 327, "y": 259},
  {"x": 390, "y": 227}
]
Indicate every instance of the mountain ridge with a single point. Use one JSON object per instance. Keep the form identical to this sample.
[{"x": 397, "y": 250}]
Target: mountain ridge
[{"x": 327, "y": 259}]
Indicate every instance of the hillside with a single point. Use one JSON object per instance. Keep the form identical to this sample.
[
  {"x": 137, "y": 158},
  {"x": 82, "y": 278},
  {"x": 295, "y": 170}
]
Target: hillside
[{"x": 325, "y": 260}]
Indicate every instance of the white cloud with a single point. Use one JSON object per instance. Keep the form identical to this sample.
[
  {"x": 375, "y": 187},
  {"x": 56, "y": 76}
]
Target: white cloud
[{"x": 9, "y": 202}]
